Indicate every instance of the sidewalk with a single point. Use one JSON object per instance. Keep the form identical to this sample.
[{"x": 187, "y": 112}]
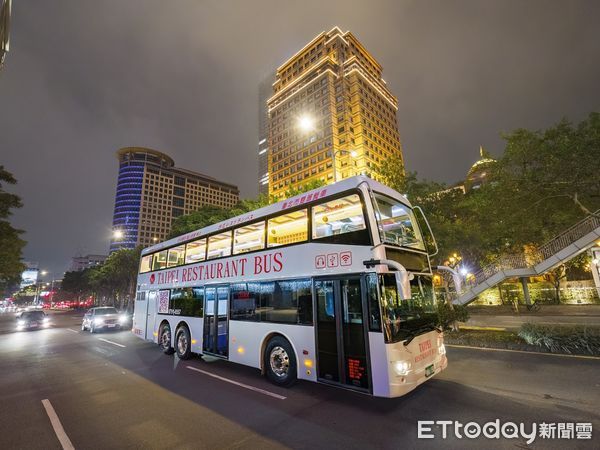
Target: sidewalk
[
  {"x": 513, "y": 322},
  {"x": 545, "y": 310}
]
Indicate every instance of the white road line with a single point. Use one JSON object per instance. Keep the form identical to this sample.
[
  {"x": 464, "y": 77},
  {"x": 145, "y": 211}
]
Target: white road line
[
  {"x": 522, "y": 351},
  {"x": 111, "y": 342},
  {"x": 237, "y": 383},
  {"x": 58, "y": 428},
  {"x": 74, "y": 331}
]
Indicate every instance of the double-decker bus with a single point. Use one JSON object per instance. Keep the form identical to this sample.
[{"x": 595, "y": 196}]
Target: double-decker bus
[{"x": 332, "y": 286}]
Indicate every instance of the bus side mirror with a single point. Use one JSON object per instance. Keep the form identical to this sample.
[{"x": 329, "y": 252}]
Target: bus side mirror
[{"x": 403, "y": 284}]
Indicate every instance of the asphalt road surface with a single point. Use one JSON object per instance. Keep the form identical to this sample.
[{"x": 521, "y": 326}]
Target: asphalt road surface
[{"x": 113, "y": 390}]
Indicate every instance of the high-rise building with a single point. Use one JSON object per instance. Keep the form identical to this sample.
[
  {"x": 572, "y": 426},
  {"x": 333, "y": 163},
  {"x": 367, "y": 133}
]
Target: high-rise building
[
  {"x": 79, "y": 263},
  {"x": 331, "y": 115},
  {"x": 265, "y": 90},
  {"x": 4, "y": 29},
  {"x": 152, "y": 192}
]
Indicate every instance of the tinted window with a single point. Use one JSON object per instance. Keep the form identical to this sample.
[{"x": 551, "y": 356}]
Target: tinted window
[
  {"x": 373, "y": 303},
  {"x": 187, "y": 302},
  {"x": 245, "y": 301}
]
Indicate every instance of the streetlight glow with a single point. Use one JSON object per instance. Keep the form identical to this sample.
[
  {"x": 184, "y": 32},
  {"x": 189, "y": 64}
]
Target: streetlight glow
[
  {"x": 306, "y": 123},
  {"x": 118, "y": 234}
]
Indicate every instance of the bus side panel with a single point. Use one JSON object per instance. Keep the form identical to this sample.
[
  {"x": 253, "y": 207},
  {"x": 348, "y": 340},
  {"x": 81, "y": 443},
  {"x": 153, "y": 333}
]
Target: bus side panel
[
  {"x": 139, "y": 317},
  {"x": 379, "y": 365},
  {"x": 246, "y": 340}
]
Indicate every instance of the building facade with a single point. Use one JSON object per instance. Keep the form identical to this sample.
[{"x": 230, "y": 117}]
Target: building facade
[
  {"x": 265, "y": 90},
  {"x": 4, "y": 29},
  {"x": 331, "y": 115},
  {"x": 79, "y": 263},
  {"x": 152, "y": 192}
]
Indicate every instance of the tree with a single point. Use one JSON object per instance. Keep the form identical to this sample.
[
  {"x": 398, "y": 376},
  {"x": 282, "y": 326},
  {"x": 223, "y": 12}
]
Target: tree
[
  {"x": 11, "y": 244},
  {"x": 301, "y": 189}
]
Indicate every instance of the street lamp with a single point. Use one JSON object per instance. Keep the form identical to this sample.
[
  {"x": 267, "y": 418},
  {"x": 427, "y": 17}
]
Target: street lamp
[
  {"x": 306, "y": 123},
  {"x": 352, "y": 153},
  {"x": 118, "y": 234}
]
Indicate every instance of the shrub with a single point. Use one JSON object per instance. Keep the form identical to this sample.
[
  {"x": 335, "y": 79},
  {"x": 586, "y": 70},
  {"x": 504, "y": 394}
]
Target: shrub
[
  {"x": 448, "y": 314},
  {"x": 562, "y": 339}
]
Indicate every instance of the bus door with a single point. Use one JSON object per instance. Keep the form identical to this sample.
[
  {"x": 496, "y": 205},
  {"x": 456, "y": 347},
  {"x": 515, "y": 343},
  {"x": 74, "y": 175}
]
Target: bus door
[
  {"x": 341, "y": 335},
  {"x": 216, "y": 326},
  {"x": 151, "y": 314}
]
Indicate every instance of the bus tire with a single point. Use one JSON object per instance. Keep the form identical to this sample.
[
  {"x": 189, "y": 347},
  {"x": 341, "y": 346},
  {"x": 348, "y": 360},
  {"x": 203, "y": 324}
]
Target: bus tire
[
  {"x": 164, "y": 339},
  {"x": 183, "y": 343},
  {"x": 280, "y": 362}
]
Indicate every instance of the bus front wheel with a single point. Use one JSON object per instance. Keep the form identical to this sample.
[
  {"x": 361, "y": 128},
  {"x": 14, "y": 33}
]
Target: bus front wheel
[
  {"x": 164, "y": 340},
  {"x": 280, "y": 362}
]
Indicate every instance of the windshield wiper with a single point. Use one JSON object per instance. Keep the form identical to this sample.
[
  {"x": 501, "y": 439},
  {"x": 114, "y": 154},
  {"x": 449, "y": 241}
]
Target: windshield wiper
[{"x": 415, "y": 333}]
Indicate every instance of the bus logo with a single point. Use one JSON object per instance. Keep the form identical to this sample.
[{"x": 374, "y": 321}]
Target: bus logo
[{"x": 152, "y": 278}]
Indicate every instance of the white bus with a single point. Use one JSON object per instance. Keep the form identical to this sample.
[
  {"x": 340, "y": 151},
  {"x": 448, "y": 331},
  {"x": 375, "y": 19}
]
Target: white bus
[{"x": 333, "y": 286}]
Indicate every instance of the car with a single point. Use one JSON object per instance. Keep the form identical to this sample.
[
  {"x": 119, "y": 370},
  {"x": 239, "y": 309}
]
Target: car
[
  {"x": 32, "y": 320},
  {"x": 103, "y": 317}
]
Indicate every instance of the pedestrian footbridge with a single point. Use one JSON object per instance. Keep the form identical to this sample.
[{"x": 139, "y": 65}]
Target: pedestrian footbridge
[{"x": 559, "y": 250}]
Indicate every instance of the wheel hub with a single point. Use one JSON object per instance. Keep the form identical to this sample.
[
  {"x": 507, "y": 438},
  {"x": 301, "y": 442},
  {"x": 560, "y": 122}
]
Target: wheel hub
[{"x": 279, "y": 361}]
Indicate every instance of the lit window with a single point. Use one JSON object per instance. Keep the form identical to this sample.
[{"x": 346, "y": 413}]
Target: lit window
[
  {"x": 195, "y": 251},
  {"x": 176, "y": 256},
  {"x": 339, "y": 216},
  {"x": 160, "y": 260},
  {"x": 219, "y": 245},
  {"x": 146, "y": 264},
  {"x": 249, "y": 238},
  {"x": 288, "y": 228}
]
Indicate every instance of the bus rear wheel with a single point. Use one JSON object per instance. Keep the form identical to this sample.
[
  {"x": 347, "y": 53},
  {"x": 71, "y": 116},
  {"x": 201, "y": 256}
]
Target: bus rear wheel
[
  {"x": 280, "y": 362},
  {"x": 182, "y": 343},
  {"x": 164, "y": 340}
]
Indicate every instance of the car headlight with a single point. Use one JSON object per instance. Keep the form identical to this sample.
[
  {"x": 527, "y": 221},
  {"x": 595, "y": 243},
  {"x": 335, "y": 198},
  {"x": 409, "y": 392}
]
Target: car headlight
[
  {"x": 122, "y": 318},
  {"x": 46, "y": 319},
  {"x": 402, "y": 367},
  {"x": 98, "y": 321},
  {"x": 20, "y": 323}
]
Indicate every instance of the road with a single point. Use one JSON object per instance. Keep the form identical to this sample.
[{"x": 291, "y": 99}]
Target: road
[{"x": 112, "y": 390}]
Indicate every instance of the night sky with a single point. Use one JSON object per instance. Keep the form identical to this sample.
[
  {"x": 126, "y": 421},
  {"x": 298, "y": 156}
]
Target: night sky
[{"x": 85, "y": 77}]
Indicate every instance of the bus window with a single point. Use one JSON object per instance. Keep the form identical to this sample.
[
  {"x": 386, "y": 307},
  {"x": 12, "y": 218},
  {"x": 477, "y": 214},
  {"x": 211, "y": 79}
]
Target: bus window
[
  {"x": 219, "y": 245},
  {"x": 244, "y": 301},
  {"x": 146, "y": 264},
  {"x": 339, "y": 216},
  {"x": 160, "y": 260},
  {"x": 175, "y": 257},
  {"x": 249, "y": 238},
  {"x": 288, "y": 228},
  {"x": 195, "y": 251},
  {"x": 397, "y": 223}
]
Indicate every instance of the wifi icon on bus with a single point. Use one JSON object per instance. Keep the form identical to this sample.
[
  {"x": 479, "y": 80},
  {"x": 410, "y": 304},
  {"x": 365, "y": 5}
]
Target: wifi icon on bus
[{"x": 345, "y": 258}]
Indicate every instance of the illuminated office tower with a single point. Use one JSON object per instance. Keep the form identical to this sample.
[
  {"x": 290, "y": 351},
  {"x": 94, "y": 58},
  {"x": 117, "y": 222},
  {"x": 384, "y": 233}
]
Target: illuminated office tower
[
  {"x": 331, "y": 115},
  {"x": 152, "y": 192}
]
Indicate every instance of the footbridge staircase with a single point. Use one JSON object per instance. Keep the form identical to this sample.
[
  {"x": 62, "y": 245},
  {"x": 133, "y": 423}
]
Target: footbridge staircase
[{"x": 567, "y": 245}]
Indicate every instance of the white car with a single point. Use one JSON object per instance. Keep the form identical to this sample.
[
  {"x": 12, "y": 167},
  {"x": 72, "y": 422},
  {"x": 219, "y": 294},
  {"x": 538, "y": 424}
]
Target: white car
[{"x": 103, "y": 318}]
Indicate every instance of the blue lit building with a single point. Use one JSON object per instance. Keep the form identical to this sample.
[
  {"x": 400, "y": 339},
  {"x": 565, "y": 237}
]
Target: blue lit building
[{"x": 152, "y": 192}]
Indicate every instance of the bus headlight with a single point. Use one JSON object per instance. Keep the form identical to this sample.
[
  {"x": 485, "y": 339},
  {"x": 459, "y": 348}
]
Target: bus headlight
[
  {"x": 442, "y": 349},
  {"x": 402, "y": 367}
]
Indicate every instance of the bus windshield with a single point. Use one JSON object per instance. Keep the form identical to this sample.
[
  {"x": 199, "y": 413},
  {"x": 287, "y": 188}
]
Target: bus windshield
[
  {"x": 397, "y": 223},
  {"x": 402, "y": 317}
]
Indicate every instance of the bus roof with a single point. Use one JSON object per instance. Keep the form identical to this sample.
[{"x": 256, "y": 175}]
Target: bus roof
[{"x": 257, "y": 214}]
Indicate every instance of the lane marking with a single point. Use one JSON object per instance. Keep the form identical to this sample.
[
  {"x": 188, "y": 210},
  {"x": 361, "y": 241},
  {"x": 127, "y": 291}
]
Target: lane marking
[
  {"x": 111, "y": 342},
  {"x": 522, "y": 351},
  {"x": 74, "y": 331},
  {"x": 477, "y": 327},
  {"x": 58, "y": 428},
  {"x": 237, "y": 383}
]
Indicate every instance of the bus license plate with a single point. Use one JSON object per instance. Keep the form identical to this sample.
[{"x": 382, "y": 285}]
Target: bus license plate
[
  {"x": 111, "y": 325},
  {"x": 429, "y": 371}
]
